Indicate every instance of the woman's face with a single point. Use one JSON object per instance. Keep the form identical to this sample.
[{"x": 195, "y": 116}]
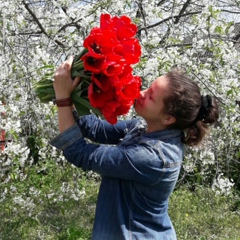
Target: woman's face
[{"x": 150, "y": 104}]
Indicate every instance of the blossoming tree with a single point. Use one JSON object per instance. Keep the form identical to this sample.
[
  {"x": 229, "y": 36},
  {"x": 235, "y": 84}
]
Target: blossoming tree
[{"x": 200, "y": 35}]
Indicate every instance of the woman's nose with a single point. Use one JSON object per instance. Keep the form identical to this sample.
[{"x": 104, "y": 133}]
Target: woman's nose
[{"x": 142, "y": 93}]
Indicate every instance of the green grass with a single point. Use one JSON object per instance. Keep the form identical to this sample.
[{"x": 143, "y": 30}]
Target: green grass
[
  {"x": 198, "y": 214},
  {"x": 202, "y": 215},
  {"x": 68, "y": 220}
]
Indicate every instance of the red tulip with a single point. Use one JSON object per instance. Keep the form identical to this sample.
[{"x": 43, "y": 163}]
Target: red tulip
[
  {"x": 130, "y": 50},
  {"x": 93, "y": 62},
  {"x": 97, "y": 97},
  {"x": 131, "y": 90},
  {"x": 123, "y": 26},
  {"x": 104, "y": 82},
  {"x": 101, "y": 41}
]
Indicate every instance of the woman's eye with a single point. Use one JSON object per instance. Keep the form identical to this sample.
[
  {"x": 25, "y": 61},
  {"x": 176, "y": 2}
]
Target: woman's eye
[{"x": 150, "y": 95}]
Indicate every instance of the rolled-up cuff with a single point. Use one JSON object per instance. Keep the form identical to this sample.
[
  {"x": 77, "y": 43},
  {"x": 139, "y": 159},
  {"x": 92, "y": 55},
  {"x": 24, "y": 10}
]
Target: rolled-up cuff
[{"x": 66, "y": 138}]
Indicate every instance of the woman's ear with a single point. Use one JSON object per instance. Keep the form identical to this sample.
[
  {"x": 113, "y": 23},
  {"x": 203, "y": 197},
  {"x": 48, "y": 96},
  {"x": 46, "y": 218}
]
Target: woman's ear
[{"x": 169, "y": 119}]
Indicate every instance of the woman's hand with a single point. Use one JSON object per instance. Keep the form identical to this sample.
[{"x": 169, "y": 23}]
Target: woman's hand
[{"x": 63, "y": 83}]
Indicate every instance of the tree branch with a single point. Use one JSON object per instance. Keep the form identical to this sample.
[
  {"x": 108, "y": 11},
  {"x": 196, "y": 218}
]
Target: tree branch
[
  {"x": 224, "y": 10},
  {"x": 176, "y": 21},
  {"x": 185, "y": 5},
  {"x": 141, "y": 14},
  {"x": 161, "y": 2},
  {"x": 72, "y": 24},
  {"x": 35, "y": 18},
  {"x": 167, "y": 19},
  {"x": 179, "y": 45},
  {"x": 40, "y": 25}
]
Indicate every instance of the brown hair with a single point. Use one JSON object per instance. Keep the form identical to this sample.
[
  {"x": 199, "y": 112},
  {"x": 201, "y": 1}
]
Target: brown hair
[{"x": 184, "y": 102}]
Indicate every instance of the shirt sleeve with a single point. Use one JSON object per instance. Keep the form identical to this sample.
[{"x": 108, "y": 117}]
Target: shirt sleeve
[
  {"x": 133, "y": 162},
  {"x": 100, "y": 131}
]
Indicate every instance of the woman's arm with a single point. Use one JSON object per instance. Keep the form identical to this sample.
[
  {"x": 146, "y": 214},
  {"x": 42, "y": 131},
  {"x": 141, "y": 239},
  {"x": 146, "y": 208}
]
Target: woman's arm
[
  {"x": 132, "y": 162},
  {"x": 63, "y": 86},
  {"x": 91, "y": 127},
  {"x": 100, "y": 131},
  {"x": 139, "y": 161}
]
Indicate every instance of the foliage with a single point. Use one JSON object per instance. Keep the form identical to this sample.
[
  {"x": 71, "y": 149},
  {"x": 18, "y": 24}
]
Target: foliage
[
  {"x": 30, "y": 210},
  {"x": 200, "y": 214},
  {"x": 52, "y": 202}
]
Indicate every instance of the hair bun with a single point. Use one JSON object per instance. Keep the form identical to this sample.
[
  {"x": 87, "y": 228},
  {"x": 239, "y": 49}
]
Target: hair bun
[{"x": 204, "y": 109}]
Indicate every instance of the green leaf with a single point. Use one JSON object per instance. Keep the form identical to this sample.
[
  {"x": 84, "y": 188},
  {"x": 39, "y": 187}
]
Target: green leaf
[
  {"x": 77, "y": 57},
  {"x": 46, "y": 67},
  {"x": 76, "y": 73},
  {"x": 82, "y": 110},
  {"x": 218, "y": 29},
  {"x": 229, "y": 92},
  {"x": 86, "y": 104}
]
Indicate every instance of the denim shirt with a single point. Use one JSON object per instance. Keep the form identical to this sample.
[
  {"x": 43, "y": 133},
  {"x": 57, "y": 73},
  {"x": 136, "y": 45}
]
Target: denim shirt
[{"x": 139, "y": 171}]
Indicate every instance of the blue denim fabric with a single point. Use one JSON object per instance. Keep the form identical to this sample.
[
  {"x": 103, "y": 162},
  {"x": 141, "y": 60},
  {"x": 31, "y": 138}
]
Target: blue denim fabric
[{"x": 139, "y": 171}]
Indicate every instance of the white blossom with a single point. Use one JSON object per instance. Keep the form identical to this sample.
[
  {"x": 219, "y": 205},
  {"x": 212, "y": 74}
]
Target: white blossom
[
  {"x": 202, "y": 43},
  {"x": 222, "y": 185}
]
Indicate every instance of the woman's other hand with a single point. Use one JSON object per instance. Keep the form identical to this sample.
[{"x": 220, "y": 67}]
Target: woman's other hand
[{"x": 63, "y": 83}]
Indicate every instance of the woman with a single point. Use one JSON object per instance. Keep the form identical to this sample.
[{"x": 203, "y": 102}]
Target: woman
[{"x": 139, "y": 160}]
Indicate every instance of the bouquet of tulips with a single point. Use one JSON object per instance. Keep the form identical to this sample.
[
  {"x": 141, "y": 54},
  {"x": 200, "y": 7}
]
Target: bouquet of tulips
[{"x": 107, "y": 87}]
